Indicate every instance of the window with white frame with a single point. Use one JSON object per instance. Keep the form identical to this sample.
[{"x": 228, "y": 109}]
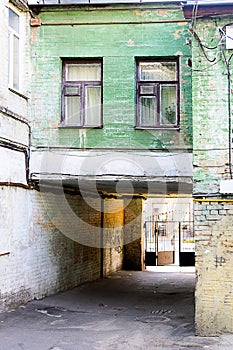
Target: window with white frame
[
  {"x": 13, "y": 49},
  {"x": 157, "y": 93},
  {"x": 82, "y": 93}
]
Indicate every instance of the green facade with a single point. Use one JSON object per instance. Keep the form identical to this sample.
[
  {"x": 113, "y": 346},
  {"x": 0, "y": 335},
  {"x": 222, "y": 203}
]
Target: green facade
[
  {"x": 210, "y": 105},
  {"x": 117, "y": 34}
]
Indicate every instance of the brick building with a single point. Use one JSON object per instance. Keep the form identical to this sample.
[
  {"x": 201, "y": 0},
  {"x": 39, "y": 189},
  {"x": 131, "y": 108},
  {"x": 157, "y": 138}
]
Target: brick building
[
  {"x": 137, "y": 140},
  {"x": 97, "y": 114},
  {"x": 85, "y": 156}
]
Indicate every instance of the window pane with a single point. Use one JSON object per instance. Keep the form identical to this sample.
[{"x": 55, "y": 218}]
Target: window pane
[
  {"x": 72, "y": 90},
  {"x": 16, "y": 63},
  {"x": 93, "y": 106},
  {"x": 149, "y": 89},
  {"x": 72, "y": 112},
  {"x": 157, "y": 71},
  {"x": 83, "y": 72},
  {"x": 148, "y": 110},
  {"x": 168, "y": 104},
  {"x": 13, "y": 20}
]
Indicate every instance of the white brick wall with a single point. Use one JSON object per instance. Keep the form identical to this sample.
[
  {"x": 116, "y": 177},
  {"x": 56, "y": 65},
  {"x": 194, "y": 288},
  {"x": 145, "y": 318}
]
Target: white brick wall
[
  {"x": 13, "y": 167},
  {"x": 12, "y": 129},
  {"x": 42, "y": 260}
]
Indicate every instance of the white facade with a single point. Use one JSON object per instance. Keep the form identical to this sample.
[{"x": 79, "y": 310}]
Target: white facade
[{"x": 14, "y": 148}]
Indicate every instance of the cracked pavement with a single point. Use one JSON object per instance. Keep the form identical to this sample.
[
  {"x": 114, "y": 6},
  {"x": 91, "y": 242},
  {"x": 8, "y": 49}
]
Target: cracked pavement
[{"x": 127, "y": 310}]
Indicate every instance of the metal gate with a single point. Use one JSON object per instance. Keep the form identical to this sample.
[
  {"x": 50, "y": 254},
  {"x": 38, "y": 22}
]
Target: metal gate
[{"x": 169, "y": 243}]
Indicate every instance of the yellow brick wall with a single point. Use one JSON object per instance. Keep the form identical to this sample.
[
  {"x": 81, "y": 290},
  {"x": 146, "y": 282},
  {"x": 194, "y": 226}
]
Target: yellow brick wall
[{"x": 214, "y": 266}]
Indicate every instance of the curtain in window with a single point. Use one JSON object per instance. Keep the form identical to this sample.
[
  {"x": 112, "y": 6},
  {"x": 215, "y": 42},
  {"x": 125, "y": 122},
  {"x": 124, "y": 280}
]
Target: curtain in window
[
  {"x": 72, "y": 105},
  {"x": 168, "y": 104},
  {"x": 83, "y": 72},
  {"x": 93, "y": 105},
  {"x": 148, "y": 108}
]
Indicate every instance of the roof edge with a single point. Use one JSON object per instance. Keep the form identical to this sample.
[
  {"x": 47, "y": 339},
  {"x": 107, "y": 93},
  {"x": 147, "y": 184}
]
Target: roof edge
[
  {"x": 208, "y": 10},
  {"x": 20, "y": 4},
  {"x": 35, "y": 3}
]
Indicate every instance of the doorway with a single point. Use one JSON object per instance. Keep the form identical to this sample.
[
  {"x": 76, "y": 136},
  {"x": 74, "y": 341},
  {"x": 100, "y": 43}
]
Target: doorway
[
  {"x": 169, "y": 243},
  {"x": 169, "y": 233}
]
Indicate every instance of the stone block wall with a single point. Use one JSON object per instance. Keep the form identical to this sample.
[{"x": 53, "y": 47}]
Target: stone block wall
[{"x": 214, "y": 261}]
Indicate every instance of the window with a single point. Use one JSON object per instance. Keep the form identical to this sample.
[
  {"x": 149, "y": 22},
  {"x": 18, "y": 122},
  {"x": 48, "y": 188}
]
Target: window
[
  {"x": 157, "y": 93},
  {"x": 13, "y": 50},
  {"x": 82, "y": 94}
]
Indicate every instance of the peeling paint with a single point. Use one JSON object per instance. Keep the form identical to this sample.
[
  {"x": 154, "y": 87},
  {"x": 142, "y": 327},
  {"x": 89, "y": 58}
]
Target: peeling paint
[
  {"x": 182, "y": 23},
  {"x": 177, "y": 34},
  {"x": 162, "y": 12}
]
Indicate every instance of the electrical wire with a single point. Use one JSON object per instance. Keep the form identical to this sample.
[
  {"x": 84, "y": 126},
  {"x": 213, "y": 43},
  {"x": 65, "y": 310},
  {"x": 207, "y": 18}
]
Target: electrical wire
[{"x": 202, "y": 46}]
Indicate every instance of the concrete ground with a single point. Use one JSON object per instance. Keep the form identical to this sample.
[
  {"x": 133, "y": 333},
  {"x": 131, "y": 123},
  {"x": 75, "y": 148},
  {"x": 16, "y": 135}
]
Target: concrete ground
[{"x": 126, "y": 311}]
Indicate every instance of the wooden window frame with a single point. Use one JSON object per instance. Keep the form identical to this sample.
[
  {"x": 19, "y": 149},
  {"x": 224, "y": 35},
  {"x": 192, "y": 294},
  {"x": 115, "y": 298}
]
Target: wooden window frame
[
  {"x": 81, "y": 85},
  {"x": 157, "y": 84}
]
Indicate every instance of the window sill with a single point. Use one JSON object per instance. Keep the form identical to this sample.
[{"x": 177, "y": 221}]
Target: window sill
[
  {"x": 64, "y": 126},
  {"x": 176, "y": 128},
  {"x": 18, "y": 93}
]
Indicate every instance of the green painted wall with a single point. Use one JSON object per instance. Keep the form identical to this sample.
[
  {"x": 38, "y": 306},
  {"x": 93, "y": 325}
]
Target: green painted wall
[
  {"x": 118, "y": 35},
  {"x": 210, "y": 106}
]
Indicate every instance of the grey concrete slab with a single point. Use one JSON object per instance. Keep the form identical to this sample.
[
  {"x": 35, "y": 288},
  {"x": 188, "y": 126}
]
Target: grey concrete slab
[{"x": 126, "y": 311}]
